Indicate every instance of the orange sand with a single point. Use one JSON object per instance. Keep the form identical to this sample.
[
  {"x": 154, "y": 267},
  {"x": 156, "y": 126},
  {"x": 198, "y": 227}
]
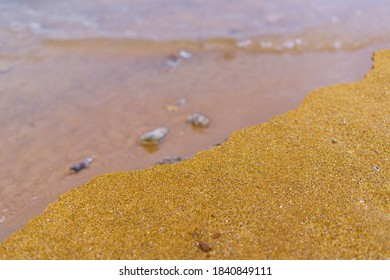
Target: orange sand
[{"x": 310, "y": 184}]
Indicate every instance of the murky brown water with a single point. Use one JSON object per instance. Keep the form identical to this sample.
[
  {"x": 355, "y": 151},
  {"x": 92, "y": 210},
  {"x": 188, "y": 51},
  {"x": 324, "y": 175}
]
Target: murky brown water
[{"x": 81, "y": 78}]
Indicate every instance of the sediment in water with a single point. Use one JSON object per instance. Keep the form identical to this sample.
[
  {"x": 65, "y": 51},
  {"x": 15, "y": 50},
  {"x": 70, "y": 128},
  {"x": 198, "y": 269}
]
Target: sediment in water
[{"x": 310, "y": 184}]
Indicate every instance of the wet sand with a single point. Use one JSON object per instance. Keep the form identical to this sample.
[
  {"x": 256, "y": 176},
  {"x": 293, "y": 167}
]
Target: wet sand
[
  {"x": 310, "y": 184},
  {"x": 77, "y": 98}
]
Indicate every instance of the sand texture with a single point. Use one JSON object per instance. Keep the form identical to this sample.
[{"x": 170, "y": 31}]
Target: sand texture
[{"x": 311, "y": 184}]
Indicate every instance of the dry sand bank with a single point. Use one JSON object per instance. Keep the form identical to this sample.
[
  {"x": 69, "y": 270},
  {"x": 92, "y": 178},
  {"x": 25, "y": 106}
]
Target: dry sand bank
[{"x": 310, "y": 184}]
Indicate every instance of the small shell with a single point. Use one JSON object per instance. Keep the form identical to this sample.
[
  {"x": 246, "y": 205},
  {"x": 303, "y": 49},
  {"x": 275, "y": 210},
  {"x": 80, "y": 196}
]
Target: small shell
[
  {"x": 154, "y": 137},
  {"x": 198, "y": 120},
  {"x": 82, "y": 165}
]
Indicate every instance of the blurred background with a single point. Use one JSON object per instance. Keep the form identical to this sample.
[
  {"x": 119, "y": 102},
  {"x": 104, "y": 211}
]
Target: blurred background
[{"x": 88, "y": 78}]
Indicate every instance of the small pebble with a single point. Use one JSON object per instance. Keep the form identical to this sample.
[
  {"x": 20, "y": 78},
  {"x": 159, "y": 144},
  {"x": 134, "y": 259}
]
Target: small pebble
[
  {"x": 216, "y": 235},
  {"x": 154, "y": 137},
  {"x": 181, "y": 101},
  {"x": 376, "y": 168},
  {"x": 178, "y": 103},
  {"x": 169, "y": 160},
  {"x": 173, "y": 60},
  {"x": 198, "y": 120},
  {"x": 185, "y": 54},
  {"x": 219, "y": 144},
  {"x": 82, "y": 165},
  {"x": 204, "y": 246}
]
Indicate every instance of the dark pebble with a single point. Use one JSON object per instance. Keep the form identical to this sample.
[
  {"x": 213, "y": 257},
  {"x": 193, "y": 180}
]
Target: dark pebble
[
  {"x": 170, "y": 160},
  {"x": 204, "y": 246},
  {"x": 82, "y": 165},
  {"x": 78, "y": 167}
]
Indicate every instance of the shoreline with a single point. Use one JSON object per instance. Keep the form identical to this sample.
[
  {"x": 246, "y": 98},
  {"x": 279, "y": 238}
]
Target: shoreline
[
  {"x": 63, "y": 104},
  {"x": 309, "y": 184}
]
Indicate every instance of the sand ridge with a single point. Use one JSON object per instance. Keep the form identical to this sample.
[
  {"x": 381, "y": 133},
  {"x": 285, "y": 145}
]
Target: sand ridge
[{"x": 310, "y": 184}]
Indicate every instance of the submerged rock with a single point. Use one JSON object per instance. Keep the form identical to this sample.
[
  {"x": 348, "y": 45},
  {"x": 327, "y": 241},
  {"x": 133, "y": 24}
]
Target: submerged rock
[
  {"x": 154, "y": 137},
  {"x": 82, "y": 165},
  {"x": 198, "y": 120}
]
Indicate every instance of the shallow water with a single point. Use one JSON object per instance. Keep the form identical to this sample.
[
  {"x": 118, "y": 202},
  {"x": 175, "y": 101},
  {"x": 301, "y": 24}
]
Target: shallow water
[
  {"x": 82, "y": 78},
  {"x": 271, "y": 25}
]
